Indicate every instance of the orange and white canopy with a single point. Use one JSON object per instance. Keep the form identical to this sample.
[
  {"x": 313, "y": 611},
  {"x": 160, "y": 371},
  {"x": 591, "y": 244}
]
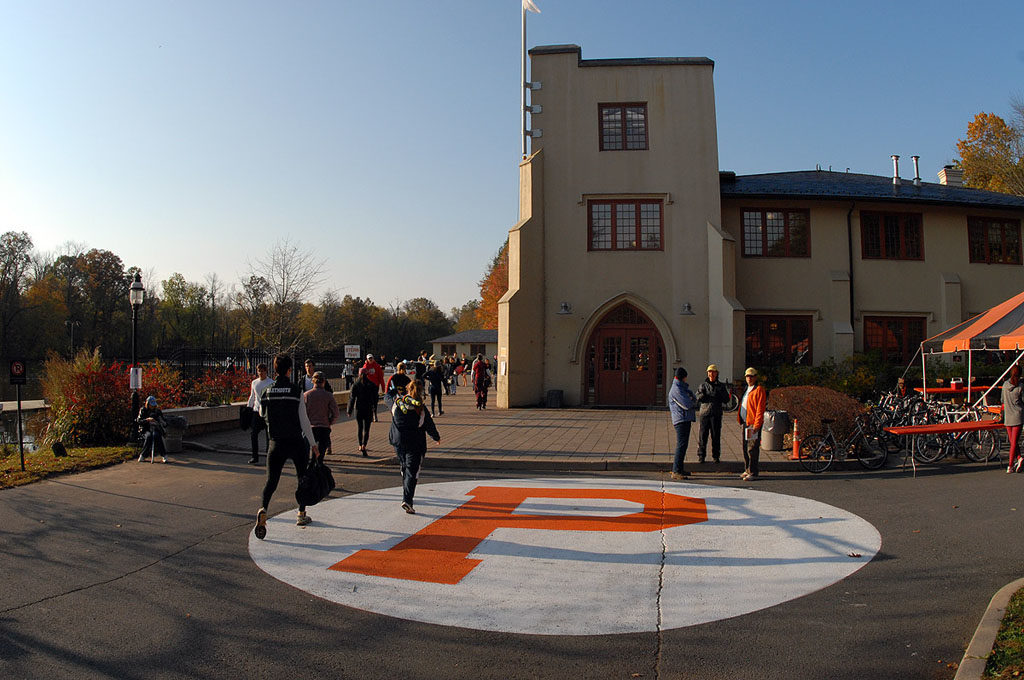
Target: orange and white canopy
[{"x": 1000, "y": 328}]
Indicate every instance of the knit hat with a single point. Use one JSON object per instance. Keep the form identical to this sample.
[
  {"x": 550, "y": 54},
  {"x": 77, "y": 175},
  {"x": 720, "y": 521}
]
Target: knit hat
[
  {"x": 151, "y": 401},
  {"x": 680, "y": 373}
]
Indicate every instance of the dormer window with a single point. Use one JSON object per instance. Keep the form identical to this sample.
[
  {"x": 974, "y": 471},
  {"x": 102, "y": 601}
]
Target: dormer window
[{"x": 623, "y": 127}]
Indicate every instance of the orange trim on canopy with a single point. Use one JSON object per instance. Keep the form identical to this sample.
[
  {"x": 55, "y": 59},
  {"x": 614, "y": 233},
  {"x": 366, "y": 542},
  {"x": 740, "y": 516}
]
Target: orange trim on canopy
[{"x": 962, "y": 340}]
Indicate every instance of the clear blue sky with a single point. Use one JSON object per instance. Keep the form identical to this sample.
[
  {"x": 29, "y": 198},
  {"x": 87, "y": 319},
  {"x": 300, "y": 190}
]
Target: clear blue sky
[{"x": 186, "y": 136}]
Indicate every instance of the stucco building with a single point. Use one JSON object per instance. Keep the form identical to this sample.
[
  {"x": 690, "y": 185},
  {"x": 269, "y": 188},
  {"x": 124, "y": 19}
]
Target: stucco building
[{"x": 634, "y": 254}]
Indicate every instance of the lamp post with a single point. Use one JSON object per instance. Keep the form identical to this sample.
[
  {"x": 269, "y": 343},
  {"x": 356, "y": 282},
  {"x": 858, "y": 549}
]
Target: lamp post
[
  {"x": 136, "y": 293},
  {"x": 71, "y": 325}
]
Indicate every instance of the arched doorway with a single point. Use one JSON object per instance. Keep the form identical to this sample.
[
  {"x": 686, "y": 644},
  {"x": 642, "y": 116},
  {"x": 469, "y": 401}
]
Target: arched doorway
[{"x": 625, "y": 360}]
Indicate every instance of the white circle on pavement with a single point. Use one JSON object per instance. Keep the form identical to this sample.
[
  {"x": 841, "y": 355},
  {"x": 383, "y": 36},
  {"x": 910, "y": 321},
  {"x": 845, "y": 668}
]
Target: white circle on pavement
[{"x": 573, "y": 556}]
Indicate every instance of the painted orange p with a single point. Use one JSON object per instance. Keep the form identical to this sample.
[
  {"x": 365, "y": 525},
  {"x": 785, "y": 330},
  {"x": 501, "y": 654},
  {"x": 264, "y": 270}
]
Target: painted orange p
[{"x": 439, "y": 553}]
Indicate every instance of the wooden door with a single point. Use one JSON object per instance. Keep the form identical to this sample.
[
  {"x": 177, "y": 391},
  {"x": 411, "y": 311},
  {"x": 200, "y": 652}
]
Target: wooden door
[
  {"x": 611, "y": 381},
  {"x": 639, "y": 368}
]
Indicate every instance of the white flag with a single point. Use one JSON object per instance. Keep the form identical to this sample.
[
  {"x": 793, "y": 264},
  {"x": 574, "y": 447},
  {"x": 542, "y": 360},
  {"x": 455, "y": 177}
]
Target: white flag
[{"x": 530, "y": 6}]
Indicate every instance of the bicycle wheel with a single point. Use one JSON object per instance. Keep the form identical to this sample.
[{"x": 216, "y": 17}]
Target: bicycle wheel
[
  {"x": 872, "y": 451},
  {"x": 981, "y": 446},
  {"x": 816, "y": 453},
  {"x": 928, "y": 448}
]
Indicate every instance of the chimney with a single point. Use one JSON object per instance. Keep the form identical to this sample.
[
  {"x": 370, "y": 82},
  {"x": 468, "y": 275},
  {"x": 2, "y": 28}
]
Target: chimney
[
  {"x": 917, "y": 173},
  {"x": 896, "y": 170},
  {"x": 951, "y": 177}
]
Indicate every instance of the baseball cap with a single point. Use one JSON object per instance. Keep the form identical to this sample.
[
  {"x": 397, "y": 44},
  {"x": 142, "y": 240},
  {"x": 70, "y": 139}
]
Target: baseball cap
[
  {"x": 750, "y": 371},
  {"x": 712, "y": 367}
]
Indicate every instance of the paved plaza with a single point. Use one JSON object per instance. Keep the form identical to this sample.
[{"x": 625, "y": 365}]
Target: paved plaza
[{"x": 538, "y": 438}]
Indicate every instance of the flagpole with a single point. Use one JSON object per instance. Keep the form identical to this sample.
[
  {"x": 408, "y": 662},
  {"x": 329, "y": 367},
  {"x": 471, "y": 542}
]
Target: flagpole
[{"x": 522, "y": 81}]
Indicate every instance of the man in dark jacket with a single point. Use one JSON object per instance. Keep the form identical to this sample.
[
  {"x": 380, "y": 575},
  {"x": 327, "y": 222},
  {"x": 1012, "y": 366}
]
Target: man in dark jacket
[
  {"x": 712, "y": 396},
  {"x": 282, "y": 408}
]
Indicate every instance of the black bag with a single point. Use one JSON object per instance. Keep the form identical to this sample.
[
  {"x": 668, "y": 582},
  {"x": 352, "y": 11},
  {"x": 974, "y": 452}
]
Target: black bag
[
  {"x": 315, "y": 484},
  {"x": 245, "y": 417}
]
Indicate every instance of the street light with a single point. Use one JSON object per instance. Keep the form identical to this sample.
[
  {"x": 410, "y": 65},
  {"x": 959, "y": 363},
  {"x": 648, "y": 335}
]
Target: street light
[
  {"x": 71, "y": 325},
  {"x": 136, "y": 293}
]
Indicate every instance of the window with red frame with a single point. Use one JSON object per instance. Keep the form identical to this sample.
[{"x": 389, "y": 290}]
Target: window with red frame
[
  {"x": 776, "y": 233},
  {"x": 774, "y": 340},
  {"x": 622, "y": 127},
  {"x": 896, "y": 338},
  {"x": 624, "y": 225},
  {"x": 891, "y": 236},
  {"x": 993, "y": 240}
]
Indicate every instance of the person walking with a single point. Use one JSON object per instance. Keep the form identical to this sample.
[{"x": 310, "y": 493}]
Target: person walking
[
  {"x": 434, "y": 378},
  {"x": 322, "y": 411},
  {"x": 363, "y": 399},
  {"x": 374, "y": 374},
  {"x": 410, "y": 425},
  {"x": 399, "y": 381},
  {"x": 481, "y": 382},
  {"x": 1013, "y": 416},
  {"x": 152, "y": 424},
  {"x": 349, "y": 374},
  {"x": 751, "y": 416},
  {"x": 257, "y": 424},
  {"x": 712, "y": 397},
  {"x": 287, "y": 423},
  {"x": 681, "y": 404},
  {"x": 308, "y": 382}
]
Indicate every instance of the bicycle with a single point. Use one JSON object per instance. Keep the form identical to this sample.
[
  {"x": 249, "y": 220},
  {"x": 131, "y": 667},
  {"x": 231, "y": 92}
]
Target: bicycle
[{"x": 817, "y": 451}]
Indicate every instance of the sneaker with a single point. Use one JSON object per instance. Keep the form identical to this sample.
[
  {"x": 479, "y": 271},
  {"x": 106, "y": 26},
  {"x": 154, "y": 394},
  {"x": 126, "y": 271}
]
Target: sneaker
[
  {"x": 680, "y": 475},
  {"x": 1017, "y": 465},
  {"x": 261, "y": 524},
  {"x": 751, "y": 478},
  {"x": 745, "y": 476},
  {"x": 163, "y": 458},
  {"x": 700, "y": 460},
  {"x": 408, "y": 508},
  {"x": 717, "y": 460},
  {"x": 1009, "y": 469},
  {"x": 140, "y": 459},
  {"x": 254, "y": 461},
  {"x": 303, "y": 519}
]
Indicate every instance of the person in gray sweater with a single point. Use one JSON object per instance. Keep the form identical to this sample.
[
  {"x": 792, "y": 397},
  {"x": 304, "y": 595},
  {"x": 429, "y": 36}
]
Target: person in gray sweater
[{"x": 1013, "y": 416}]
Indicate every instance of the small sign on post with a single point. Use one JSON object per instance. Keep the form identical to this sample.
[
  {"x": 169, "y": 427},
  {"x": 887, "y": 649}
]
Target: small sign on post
[
  {"x": 352, "y": 352},
  {"x": 136, "y": 379}
]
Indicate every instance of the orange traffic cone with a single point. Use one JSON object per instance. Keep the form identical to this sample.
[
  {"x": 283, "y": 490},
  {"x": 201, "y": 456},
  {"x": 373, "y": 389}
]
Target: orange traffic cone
[{"x": 796, "y": 442}]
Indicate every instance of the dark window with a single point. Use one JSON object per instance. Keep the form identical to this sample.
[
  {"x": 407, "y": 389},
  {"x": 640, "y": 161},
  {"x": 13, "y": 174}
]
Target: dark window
[
  {"x": 993, "y": 240},
  {"x": 776, "y": 233},
  {"x": 475, "y": 349},
  {"x": 625, "y": 225},
  {"x": 896, "y": 338},
  {"x": 622, "y": 126},
  {"x": 891, "y": 236},
  {"x": 773, "y": 340},
  {"x": 447, "y": 350}
]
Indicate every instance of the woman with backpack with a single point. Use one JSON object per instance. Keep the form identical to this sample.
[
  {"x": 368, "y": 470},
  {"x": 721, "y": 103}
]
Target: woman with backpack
[{"x": 410, "y": 425}]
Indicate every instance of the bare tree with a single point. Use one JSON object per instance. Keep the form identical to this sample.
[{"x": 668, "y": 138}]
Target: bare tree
[{"x": 274, "y": 290}]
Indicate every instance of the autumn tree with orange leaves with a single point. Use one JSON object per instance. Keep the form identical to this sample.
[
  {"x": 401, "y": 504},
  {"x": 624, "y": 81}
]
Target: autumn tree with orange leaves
[
  {"x": 992, "y": 154},
  {"x": 493, "y": 285}
]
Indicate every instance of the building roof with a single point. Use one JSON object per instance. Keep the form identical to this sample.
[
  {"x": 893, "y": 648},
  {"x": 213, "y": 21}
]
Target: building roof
[
  {"x": 641, "y": 61},
  {"x": 825, "y": 184},
  {"x": 476, "y": 336}
]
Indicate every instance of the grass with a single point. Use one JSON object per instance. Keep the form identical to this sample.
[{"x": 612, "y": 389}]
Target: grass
[
  {"x": 1007, "y": 657},
  {"x": 42, "y": 463}
]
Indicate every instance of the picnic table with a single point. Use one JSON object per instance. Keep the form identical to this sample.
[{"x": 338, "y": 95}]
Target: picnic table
[
  {"x": 938, "y": 428},
  {"x": 954, "y": 391}
]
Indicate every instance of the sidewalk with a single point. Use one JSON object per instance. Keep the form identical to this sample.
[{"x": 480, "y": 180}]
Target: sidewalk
[{"x": 534, "y": 439}]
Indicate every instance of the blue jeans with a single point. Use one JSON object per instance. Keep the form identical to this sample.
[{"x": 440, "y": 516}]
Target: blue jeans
[
  {"x": 682, "y": 441},
  {"x": 410, "y": 461}
]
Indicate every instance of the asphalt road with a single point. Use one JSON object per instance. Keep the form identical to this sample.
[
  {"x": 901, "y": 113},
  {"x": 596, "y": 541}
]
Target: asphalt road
[{"x": 142, "y": 571}]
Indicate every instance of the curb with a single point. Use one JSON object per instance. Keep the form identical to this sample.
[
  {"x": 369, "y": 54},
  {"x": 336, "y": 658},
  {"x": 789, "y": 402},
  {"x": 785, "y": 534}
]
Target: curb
[{"x": 972, "y": 666}]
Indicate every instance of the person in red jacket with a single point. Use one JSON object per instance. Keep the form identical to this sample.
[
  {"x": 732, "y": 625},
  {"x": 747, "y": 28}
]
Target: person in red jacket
[
  {"x": 375, "y": 374},
  {"x": 751, "y": 415}
]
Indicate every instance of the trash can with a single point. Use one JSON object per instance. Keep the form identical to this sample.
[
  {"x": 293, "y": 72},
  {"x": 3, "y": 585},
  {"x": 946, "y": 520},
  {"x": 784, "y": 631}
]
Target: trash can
[
  {"x": 776, "y": 424},
  {"x": 176, "y": 426},
  {"x": 554, "y": 399}
]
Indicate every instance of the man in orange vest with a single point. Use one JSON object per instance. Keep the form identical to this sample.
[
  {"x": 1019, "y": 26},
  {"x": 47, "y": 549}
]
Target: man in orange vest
[{"x": 751, "y": 416}]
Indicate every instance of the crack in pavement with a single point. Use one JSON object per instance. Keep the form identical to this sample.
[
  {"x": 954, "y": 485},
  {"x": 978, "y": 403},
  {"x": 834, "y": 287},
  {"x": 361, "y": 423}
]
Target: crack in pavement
[
  {"x": 661, "y": 585},
  {"x": 121, "y": 576}
]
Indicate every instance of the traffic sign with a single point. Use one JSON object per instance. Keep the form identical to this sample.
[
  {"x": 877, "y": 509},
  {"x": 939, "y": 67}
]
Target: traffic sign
[{"x": 18, "y": 376}]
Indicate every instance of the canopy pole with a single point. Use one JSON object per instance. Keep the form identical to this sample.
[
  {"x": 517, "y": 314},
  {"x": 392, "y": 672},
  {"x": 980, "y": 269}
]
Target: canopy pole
[
  {"x": 970, "y": 366},
  {"x": 999, "y": 380},
  {"x": 924, "y": 375},
  {"x": 912, "y": 359}
]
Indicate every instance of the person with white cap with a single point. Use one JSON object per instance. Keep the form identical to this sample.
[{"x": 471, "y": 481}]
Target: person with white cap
[
  {"x": 751, "y": 416},
  {"x": 712, "y": 396}
]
